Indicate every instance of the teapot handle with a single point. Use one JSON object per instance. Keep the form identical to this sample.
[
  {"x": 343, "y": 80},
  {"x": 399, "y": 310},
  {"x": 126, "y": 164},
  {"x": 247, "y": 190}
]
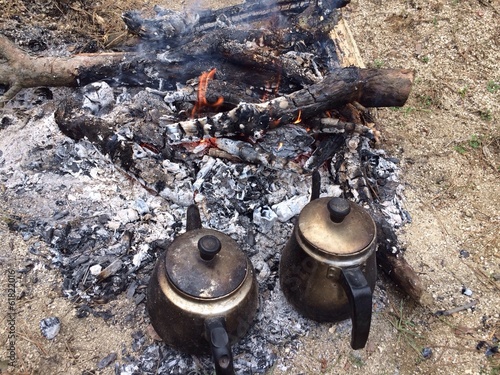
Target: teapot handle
[
  {"x": 219, "y": 343},
  {"x": 359, "y": 295}
]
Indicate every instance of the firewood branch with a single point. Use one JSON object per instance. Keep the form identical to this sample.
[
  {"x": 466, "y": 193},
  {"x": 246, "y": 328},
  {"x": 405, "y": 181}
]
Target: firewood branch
[{"x": 20, "y": 70}]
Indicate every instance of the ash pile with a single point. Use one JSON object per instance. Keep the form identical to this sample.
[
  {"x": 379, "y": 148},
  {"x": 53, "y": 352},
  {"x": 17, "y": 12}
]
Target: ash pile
[{"x": 108, "y": 177}]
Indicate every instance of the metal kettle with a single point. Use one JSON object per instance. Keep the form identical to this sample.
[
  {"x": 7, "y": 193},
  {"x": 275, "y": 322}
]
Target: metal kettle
[
  {"x": 328, "y": 266},
  {"x": 203, "y": 294}
]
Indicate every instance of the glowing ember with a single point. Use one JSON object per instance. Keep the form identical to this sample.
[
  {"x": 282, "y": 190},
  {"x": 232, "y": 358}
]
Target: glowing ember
[
  {"x": 199, "y": 146},
  {"x": 202, "y": 91}
]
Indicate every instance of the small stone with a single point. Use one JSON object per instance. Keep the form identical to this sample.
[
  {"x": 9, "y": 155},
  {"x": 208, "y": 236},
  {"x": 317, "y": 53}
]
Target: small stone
[
  {"x": 106, "y": 361},
  {"x": 464, "y": 253},
  {"x": 50, "y": 327},
  {"x": 426, "y": 353},
  {"x": 95, "y": 269},
  {"x": 466, "y": 291}
]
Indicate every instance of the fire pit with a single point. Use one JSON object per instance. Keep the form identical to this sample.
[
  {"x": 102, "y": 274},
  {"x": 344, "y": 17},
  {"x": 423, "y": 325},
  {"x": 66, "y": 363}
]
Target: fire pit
[{"x": 223, "y": 113}]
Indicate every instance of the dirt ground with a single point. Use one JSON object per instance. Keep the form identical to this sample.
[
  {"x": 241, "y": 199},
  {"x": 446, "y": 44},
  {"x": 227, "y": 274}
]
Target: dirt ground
[{"x": 447, "y": 137}]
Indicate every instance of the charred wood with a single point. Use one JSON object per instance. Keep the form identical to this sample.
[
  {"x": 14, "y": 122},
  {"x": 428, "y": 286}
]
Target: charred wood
[
  {"x": 325, "y": 150},
  {"x": 97, "y": 131},
  {"x": 170, "y": 26},
  {"x": 233, "y": 93},
  {"x": 369, "y": 87},
  {"x": 334, "y": 125},
  {"x": 390, "y": 259},
  {"x": 289, "y": 52},
  {"x": 300, "y": 67}
]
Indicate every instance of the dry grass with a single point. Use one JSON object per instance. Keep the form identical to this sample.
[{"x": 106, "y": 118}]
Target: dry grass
[{"x": 97, "y": 21}]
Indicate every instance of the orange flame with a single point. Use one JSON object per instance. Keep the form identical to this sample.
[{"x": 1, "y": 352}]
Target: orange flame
[
  {"x": 298, "y": 117},
  {"x": 202, "y": 92}
]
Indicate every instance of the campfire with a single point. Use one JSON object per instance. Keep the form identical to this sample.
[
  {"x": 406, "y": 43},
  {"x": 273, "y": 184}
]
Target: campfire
[{"x": 232, "y": 110}]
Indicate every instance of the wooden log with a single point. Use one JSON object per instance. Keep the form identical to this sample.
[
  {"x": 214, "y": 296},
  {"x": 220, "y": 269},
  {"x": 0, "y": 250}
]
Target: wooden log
[
  {"x": 369, "y": 87},
  {"x": 23, "y": 71}
]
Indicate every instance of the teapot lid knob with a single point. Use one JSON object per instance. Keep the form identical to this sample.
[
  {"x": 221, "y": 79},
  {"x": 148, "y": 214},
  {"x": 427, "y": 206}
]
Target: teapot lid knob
[
  {"x": 209, "y": 246},
  {"x": 339, "y": 208}
]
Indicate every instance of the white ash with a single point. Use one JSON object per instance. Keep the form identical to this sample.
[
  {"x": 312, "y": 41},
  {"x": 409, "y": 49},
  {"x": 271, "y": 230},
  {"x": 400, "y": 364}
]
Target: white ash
[
  {"x": 98, "y": 97},
  {"x": 291, "y": 207}
]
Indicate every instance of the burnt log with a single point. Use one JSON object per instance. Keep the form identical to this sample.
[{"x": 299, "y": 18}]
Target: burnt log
[
  {"x": 174, "y": 27},
  {"x": 19, "y": 70},
  {"x": 369, "y": 87},
  {"x": 268, "y": 54}
]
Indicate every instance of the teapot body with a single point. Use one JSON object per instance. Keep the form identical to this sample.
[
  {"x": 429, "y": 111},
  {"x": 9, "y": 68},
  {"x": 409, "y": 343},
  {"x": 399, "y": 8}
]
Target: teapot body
[
  {"x": 180, "y": 319},
  {"x": 328, "y": 266},
  {"x": 313, "y": 285}
]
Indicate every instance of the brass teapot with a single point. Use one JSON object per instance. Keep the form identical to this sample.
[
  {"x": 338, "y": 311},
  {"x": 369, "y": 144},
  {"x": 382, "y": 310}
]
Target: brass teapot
[
  {"x": 203, "y": 293},
  {"x": 328, "y": 266}
]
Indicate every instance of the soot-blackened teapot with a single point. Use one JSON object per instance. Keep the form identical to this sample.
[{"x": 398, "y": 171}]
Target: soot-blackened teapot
[
  {"x": 203, "y": 293},
  {"x": 328, "y": 266}
]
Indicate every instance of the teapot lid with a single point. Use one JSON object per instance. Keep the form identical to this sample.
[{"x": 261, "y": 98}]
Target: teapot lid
[
  {"x": 205, "y": 263},
  {"x": 336, "y": 226}
]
